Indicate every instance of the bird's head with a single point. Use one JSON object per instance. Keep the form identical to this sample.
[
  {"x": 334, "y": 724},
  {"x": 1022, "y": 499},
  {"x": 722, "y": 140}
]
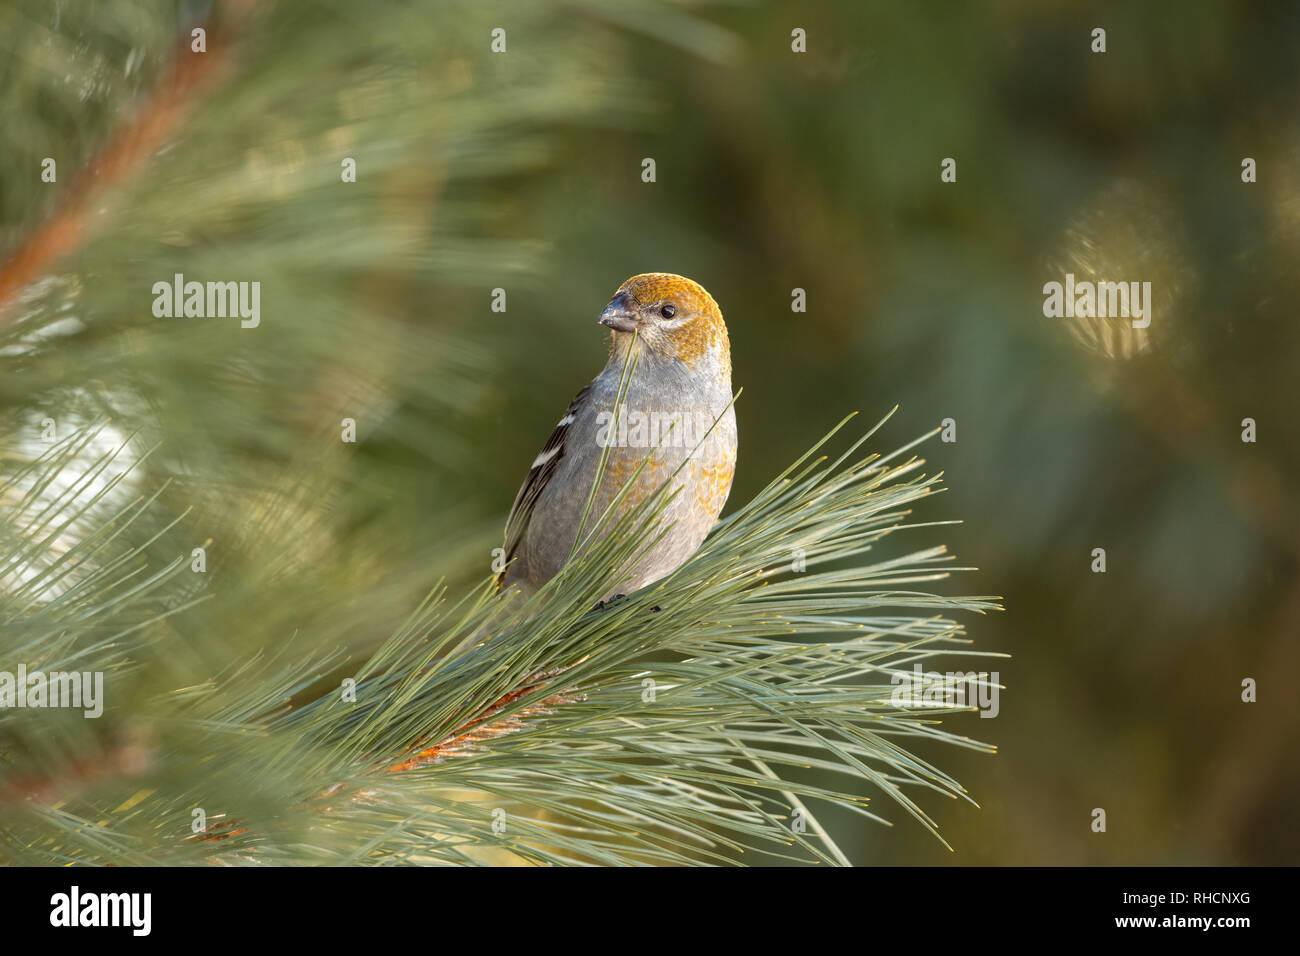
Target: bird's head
[{"x": 672, "y": 316}]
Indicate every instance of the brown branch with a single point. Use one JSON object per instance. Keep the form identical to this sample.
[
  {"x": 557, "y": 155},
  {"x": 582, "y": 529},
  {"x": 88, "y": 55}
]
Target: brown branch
[
  {"x": 128, "y": 151},
  {"x": 464, "y": 740},
  {"x": 469, "y": 735},
  {"x": 131, "y": 758}
]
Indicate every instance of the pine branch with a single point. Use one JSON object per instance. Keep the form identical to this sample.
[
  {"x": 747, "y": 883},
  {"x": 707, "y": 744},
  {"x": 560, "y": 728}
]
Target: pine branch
[
  {"x": 127, "y": 153},
  {"x": 480, "y": 731},
  {"x": 549, "y": 745}
]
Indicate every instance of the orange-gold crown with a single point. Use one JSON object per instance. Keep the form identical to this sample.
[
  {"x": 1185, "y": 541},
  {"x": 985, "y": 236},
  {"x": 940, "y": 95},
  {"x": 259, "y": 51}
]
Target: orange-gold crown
[
  {"x": 653, "y": 286},
  {"x": 693, "y": 340}
]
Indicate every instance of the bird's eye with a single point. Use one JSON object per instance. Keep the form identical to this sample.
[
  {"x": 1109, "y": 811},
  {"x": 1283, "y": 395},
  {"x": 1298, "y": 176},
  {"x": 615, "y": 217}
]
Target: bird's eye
[{"x": 668, "y": 312}]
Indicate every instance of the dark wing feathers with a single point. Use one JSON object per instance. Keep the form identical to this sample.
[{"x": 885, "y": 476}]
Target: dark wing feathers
[{"x": 544, "y": 466}]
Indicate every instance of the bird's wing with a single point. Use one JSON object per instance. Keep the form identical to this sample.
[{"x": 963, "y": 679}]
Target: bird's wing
[{"x": 544, "y": 465}]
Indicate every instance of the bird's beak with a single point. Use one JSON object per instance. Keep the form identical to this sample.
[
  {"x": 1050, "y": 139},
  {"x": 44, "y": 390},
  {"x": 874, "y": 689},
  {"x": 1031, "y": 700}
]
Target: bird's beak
[{"x": 618, "y": 315}]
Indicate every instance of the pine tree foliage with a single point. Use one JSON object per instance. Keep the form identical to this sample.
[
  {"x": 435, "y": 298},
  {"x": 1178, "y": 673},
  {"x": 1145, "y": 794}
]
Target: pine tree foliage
[
  {"x": 672, "y": 726},
  {"x": 177, "y": 510}
]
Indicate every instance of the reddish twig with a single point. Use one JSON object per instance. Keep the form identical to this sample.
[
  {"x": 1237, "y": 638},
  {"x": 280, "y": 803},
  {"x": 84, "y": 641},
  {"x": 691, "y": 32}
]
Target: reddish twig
[
  {"x": 127, "y": 152},
  {"x": 129, "y": 759},
  {"x": 470, "y": 734},
  {"x": 462, "y": 741}
]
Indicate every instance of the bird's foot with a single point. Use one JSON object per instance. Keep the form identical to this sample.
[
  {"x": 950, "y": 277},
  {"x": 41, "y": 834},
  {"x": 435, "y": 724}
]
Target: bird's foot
[
  {"x": 614, "y": 599},
  {"x": 609, "y": 602}
]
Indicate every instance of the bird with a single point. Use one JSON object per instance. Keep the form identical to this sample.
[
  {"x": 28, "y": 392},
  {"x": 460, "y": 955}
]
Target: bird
[{"x": 677, "y": 413}]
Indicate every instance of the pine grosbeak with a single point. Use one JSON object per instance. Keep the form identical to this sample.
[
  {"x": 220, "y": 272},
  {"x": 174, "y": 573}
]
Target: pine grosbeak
[{"x": 680, "y": 386}]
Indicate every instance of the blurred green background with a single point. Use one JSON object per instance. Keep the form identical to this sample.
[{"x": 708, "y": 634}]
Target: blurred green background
[{"x": 775, "y": 170}]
